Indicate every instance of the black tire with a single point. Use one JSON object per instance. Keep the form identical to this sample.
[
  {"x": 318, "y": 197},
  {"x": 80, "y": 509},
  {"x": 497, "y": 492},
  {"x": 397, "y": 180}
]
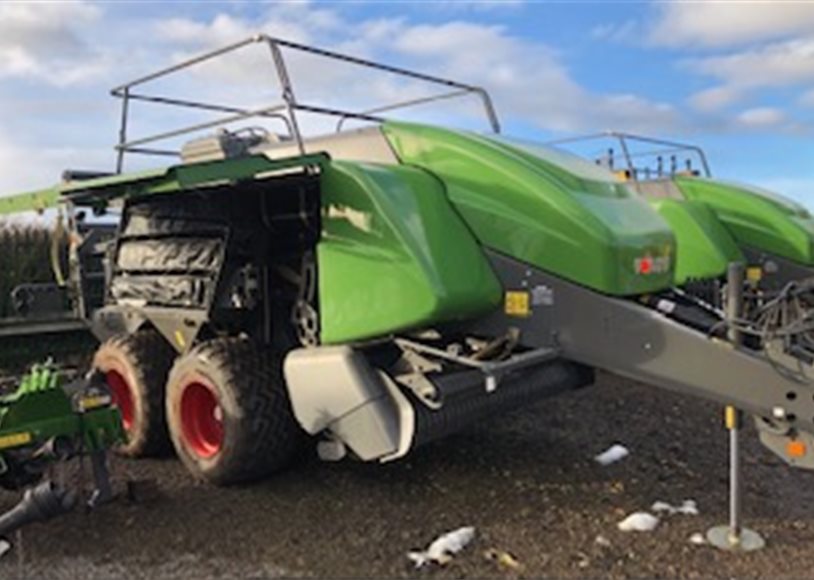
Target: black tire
[
  {"x": 251, "y": 432},
  {"x": 142, "y": 362}
]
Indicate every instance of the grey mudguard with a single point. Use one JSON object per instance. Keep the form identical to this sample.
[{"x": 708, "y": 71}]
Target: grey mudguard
[{"x": 333, "y": 388}]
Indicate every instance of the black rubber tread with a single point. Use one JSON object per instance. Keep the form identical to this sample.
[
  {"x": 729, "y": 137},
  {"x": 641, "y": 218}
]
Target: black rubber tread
[
  {"x": 148, "y": 357},
  {"x": 261, "y": 435}
]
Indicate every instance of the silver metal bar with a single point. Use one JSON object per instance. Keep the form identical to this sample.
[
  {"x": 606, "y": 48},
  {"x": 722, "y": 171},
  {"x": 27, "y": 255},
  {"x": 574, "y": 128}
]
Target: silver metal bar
[
  {"x": 288, "y": 91},
  {"x": 735, "y": 480},
  {"x": 734, "y": 307},
  {"x": 200, "y": 126},
  {"x": 577, "y": 138},
  {"x": 149, "y": 151},
  {"x": 493, "y": 370},
  {"x": 122, "y": 132},
  {"x": 629, "y": 161},
  {"x": 186, "y": 63},
  {"x": 207, "y": 107},
  {"x": 371, "y": 64},
  {"x": 490, "y": 109},
  {"x": 337, "y": 113},
  {"x": 404, "y": 105},
  {"x": 520, "y": 361},
  {"x": 676, "y": 145}
]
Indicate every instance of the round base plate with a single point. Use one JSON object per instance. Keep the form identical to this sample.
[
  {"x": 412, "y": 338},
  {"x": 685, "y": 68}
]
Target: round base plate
[{"x": 749, "y": 540}]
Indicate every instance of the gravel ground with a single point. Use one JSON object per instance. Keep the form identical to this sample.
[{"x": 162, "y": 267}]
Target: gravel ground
[{"x": 526, "y": 481}]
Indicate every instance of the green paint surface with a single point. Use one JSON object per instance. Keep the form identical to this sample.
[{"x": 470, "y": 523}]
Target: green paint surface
[
  {"x": 395, "y": 254},
  {"x": 704, "y": 246},
  {"x": 756, "y": 218},
  {"x": 42, "y": 410},
  {"x": 155, "y": 181},
  {"x": 532, "y": 205},
  {"x": 31, "y": 201}
]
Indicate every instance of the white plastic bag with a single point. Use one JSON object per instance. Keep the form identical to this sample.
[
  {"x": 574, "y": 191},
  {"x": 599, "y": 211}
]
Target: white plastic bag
[
  {"x": 443, "y": 547},
  {"x": 613, "y": 454}
]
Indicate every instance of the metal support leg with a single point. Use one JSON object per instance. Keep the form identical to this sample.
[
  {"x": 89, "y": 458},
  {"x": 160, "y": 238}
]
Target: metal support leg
[
  {"x": 102, "y": 492},
  {"x": 734, "y": 536}
]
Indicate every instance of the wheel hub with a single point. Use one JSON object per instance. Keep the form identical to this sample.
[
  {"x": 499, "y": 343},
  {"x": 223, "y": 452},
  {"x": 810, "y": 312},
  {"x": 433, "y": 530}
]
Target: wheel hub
[
  {"x": 201, "y": 420},
  {"x": 122, "y": 397}
]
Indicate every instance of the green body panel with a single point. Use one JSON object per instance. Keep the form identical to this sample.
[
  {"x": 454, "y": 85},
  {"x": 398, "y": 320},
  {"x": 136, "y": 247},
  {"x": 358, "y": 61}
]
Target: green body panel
[
  {"x": 156, "y": 181},
  {"x": 704, "y": 246},
  {"x": 588, "y": 231},
  {"x": 31, "y": 201},
  {"x": 188, "y": 176},
  {"x": 756, "y": 218},
  {"x": 394, "y": 254}
]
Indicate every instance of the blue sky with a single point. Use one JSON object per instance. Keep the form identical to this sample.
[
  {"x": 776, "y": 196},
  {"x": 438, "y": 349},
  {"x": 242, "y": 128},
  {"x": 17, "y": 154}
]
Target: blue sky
[{"x": 734, "y": 77}]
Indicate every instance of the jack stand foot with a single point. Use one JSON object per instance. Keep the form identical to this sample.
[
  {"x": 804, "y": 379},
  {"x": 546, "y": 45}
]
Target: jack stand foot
[{"x": 722, "y": 537}]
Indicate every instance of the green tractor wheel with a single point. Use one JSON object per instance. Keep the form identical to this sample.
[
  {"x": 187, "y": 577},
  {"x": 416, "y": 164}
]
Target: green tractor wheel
[
  {"x": 228, "y": 412},
  {"x": 136, "y": 368}
]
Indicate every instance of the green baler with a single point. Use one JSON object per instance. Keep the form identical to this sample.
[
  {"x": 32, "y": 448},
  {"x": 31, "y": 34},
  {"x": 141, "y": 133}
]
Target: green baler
[
  {"x": 383, "y": 286},
  {"x": 766, "y": 226},
  {"x": 715, "y": 221}
]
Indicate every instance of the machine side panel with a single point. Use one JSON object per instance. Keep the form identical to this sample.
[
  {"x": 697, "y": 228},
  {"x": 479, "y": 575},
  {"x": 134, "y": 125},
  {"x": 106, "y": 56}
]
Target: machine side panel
[
  {"x": 757, "y": 219},
  {"x": 589, "y": 231},
  {"x": 705, "y": 246},
  {"x": 394, "y": 254}
]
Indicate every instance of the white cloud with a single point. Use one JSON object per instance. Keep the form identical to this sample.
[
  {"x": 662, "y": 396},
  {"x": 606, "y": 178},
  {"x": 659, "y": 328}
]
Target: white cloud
[
  {"x": 778, "y": 64},
  {"x": 526, "y": 78},
  {"x": 49, "y": 41},
  {"x": 714, "y": 99},
  {"x": 786, "y": 63},
  {"x": 26, "y": 168},
  {"x": 529, "y": 80},
  {"x": 714, "y": 23},
  {"x": 761, "y": 118}
]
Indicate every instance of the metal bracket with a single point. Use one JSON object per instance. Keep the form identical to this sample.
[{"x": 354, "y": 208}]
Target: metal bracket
[{"x": 493, "y": 371}]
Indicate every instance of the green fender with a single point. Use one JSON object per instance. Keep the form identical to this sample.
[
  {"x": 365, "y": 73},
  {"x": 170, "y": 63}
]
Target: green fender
[
  {"x": 394, "y": 254},
  {"x": 756, "y": 218},
  {"x": 705, "y": 246}
]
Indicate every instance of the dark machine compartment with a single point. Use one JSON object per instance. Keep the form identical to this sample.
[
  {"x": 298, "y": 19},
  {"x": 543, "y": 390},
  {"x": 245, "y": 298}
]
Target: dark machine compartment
[{"x": 231, "y": 255}]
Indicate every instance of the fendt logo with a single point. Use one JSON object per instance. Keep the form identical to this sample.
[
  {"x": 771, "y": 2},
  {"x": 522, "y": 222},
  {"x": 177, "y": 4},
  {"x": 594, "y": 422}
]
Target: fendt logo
[{"x": 649, "y": 265}]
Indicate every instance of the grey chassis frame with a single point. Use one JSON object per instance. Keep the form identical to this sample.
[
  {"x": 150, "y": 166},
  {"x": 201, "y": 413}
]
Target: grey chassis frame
[{"x": 632, "y": 340}]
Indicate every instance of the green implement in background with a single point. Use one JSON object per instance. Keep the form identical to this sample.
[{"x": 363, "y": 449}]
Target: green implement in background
[{"x": 31, "y": 201}]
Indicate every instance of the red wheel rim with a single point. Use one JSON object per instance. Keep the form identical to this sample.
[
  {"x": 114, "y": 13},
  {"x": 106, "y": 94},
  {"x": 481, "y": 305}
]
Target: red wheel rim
[
  {"x": 201, "y": 420},
  {"x": 122, "y": 397}
]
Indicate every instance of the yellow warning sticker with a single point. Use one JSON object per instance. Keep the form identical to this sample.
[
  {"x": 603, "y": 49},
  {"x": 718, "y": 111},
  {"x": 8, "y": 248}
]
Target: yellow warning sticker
[
  {"x": 15, "y": 439},
  {"x": 754, "y": 273},
  {"x": 94, "y": 402},
  {"x": 517, "y": 303}
]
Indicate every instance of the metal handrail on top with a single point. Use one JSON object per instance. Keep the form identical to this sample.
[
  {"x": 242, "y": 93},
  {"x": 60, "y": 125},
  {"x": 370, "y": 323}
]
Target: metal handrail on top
[
  {"x": 624, "y": 140},
  {"x": 285, "y": 111}
]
